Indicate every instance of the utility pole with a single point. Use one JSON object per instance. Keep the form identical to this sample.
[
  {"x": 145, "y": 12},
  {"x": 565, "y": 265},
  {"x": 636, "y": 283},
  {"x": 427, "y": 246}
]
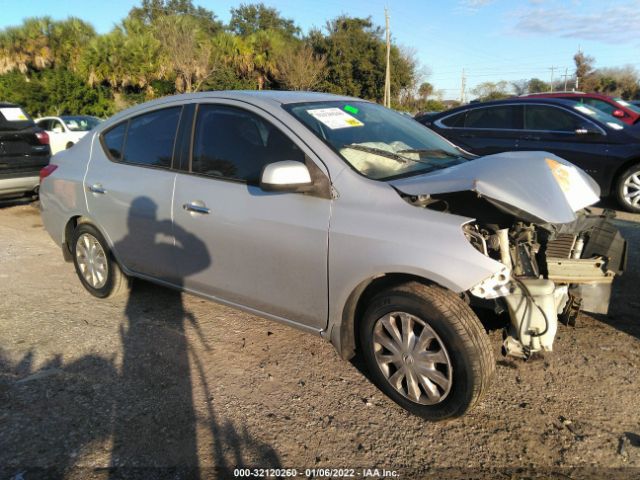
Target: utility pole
[
  {"x": 387, "y": 78},
  {"x": 566, "y": 77},
  {"x": 463, "y": 84},
  {"x": 551, "y": 83}
]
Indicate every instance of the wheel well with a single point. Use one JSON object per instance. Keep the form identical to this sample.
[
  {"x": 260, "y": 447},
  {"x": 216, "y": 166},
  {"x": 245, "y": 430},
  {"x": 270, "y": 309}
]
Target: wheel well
[
  {"x": 620, "y": 171},
  {"x": 68, "y": 234},
  {"x": 357, "y": 304}
]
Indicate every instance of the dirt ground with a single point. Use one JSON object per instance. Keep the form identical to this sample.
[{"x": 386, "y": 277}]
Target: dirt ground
[{"x": 165, "y": 385}]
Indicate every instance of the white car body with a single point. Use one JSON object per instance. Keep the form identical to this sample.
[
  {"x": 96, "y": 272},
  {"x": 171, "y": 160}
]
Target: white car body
[{"x": 61, "y": 136}]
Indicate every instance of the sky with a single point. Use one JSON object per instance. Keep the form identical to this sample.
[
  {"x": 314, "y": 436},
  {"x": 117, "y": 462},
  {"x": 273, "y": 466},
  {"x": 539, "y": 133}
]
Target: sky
[{"x": 491, "y": 39}]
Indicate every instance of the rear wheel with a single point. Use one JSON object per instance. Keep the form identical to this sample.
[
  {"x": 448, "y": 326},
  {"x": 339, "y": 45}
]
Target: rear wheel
[
  {"x": 98, "y": 271},
  {"x": 628, "y": 189},
  {"x": 69, "y": 145},
  {"x": 425, "y": 348}
]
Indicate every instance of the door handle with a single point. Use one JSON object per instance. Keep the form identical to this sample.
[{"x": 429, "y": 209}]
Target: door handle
[
  {"x": 96, "y": 188},
  {"x": 194, "y": 207}
]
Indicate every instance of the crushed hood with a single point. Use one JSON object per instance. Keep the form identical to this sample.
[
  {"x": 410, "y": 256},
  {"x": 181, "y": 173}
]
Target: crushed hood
[{"x": 535, "y": 186}]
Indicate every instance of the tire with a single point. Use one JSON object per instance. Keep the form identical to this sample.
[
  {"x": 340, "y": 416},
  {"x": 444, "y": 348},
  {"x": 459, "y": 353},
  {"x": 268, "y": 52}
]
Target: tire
[
  {"x": 69, "y": 145},
  {"x": 455, "y": 345},
  {"x": 97, "y": 270},
  {"x": 628, "y": 189}
]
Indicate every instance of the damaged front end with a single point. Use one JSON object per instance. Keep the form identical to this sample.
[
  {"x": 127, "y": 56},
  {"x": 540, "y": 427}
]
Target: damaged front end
[
  {"x": 556, "y": 258},
  {"x": 555, "y": 271}
]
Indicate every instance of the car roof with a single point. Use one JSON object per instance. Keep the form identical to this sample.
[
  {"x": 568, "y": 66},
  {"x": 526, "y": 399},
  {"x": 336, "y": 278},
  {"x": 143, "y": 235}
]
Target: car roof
[
  {"x": 508, "y": 101},
  {"x": 261, "y": 98},
  {"x": 7, "y": 104},
  {"x": 569, "y": 94}
]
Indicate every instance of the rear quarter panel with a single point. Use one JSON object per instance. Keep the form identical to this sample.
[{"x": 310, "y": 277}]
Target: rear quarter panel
[{"x": 62, "y": 195}]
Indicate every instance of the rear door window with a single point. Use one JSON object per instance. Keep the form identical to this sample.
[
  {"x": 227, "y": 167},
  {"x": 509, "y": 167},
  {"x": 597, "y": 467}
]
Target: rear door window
[
  {"x": 542, "y": 117},
  {"x": 503, "y": 117},
  {"x": 151, "y": 138}
]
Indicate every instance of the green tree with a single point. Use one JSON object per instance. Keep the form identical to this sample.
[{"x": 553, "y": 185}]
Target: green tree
[
  {"x": 537, "y": 86},
  {"x": 249, "y": 19},
  {"x": 356, "y": 59},
  {"x": 150, "y": 11},
  {"x": 492, "y": 91},
  {"x": 425, "y": 90},
  {"x": 584, "y": 69},
  {"x": 300, "y": 69}
]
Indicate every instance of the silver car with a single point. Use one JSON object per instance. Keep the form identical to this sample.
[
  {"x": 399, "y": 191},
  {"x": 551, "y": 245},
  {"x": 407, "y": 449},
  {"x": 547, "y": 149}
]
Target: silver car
[{"x": 344, "y": 219}]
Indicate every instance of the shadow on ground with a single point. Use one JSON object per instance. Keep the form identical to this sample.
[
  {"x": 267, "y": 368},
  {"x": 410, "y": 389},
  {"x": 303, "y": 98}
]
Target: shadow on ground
[{"x": 128, "y": 416}]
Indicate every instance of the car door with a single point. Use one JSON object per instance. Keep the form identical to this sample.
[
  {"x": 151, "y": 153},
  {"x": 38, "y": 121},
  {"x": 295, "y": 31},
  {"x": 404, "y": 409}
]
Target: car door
[
  {"x": 129, "y": 186},
  {"x": 268, "y": 250},
  {"x": 568, "y": 135},
  {"x": 484, "y": 130}
]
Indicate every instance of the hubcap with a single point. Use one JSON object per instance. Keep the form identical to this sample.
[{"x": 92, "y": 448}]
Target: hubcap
[
  {"x": 412, "y": 358},
  {"x": 631, "y": 189},
  {"x": 91, "y": 260}
]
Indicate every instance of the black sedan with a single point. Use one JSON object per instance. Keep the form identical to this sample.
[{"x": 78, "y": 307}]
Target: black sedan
[{"x": 602, "y": 145}]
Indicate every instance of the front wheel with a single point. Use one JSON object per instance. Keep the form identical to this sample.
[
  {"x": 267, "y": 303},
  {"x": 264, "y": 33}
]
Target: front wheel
[
  {"x": 628, "y": 189},
  {"x": 98, "y": 271},
  {"x": 426, "y": 349}
]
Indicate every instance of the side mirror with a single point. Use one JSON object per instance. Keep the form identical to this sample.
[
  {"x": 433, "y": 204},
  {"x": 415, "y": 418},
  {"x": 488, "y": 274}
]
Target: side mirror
[
  {"x": 618, "y": 113},
  {"x": 286, "y": 176}
]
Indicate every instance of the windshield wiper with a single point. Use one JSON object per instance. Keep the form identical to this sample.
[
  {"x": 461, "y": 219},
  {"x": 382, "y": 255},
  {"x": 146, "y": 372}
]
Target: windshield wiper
[
  {"x": 385, "y": 153},
  {"x": 430, "y": 151}
]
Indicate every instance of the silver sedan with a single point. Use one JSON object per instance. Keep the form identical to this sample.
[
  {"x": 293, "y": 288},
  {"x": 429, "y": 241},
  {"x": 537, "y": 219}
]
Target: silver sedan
[{"x": 344, "y": 219}]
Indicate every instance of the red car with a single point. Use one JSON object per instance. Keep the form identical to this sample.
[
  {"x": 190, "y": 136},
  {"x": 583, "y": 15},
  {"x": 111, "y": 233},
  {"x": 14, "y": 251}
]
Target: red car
[{"x": 616, "y": 107}]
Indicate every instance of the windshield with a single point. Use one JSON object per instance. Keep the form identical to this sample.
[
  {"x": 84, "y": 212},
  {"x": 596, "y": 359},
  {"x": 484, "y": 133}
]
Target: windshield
[
  {"x": 630, "y": 106},
  {"x": 377, "y": 142},
  {"x": 80, "y": 124},
  {"x": 599, "y": 115}
]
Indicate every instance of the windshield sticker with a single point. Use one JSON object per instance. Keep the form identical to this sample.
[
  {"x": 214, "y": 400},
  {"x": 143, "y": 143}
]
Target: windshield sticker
[
  {"x": 350, "y": 109},
  {"x": 334, "y": 118},
  {"x": 13, "y": 114}
]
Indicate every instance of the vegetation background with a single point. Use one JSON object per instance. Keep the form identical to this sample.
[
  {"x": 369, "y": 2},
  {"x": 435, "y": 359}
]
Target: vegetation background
[{"x": 165, "y": 47}]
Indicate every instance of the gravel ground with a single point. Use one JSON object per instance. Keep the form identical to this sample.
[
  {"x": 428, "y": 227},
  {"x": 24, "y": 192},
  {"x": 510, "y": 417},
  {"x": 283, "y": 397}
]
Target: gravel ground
[{"x": 162, "y": 384}]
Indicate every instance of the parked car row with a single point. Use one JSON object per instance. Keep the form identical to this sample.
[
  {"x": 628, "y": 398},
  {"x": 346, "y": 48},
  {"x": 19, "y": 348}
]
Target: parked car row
[
  {"x": 27, "y": 145},
  {"x": 347, "y": 220},
  {"x": 66, "y": 130},
  {"x": 604, "y": 146},
  {"x": 24, "y": 150}
]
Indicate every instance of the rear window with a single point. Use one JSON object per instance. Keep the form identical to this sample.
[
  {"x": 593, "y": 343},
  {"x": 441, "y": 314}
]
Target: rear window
[{"x": 14, "y": 118}]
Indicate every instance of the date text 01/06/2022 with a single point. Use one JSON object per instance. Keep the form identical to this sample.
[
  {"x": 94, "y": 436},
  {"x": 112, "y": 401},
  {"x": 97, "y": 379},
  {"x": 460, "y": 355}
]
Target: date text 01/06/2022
[{"x": 316, "y": 473}]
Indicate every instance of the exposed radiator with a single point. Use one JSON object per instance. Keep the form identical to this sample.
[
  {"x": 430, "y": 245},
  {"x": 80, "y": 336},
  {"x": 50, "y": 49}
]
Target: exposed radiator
[{"x": 561, "y": 246}]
